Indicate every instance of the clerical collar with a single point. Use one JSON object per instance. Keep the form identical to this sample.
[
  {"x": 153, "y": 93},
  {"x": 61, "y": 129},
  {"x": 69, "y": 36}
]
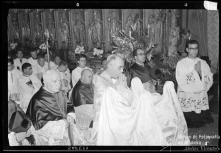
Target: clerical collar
[
  {"x": 45, "y": 88},
  {"x": 140, "y": 64}
]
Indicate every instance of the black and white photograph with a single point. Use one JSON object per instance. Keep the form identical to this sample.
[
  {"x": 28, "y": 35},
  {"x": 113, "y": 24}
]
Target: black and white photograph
[{"x": 121, "y": 76}]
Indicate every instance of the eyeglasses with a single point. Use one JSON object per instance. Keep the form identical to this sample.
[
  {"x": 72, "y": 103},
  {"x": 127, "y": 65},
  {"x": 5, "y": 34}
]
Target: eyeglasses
[{"x": 194, "y": 48}]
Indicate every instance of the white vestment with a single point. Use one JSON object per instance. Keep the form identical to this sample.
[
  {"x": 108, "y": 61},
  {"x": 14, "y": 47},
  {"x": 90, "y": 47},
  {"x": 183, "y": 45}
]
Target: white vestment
[
  {"x": 192, "y": 91},
  {"x": 13, "y": 77},
  {"x": 19, "y": 62},
  {"x": 32, "y": 61},
  {"x": 28, "y": 86},
  {"x": 53, "y": 66},
  {"x": 65, "y": 77},
  {"x": 52, "y": 133},
  {"x": 39, "y": 71},
  {"x": 137, "y": 117}
]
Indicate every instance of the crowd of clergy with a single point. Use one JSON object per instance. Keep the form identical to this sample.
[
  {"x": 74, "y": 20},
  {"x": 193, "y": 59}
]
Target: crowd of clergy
[{"x": 50, "y": 105}]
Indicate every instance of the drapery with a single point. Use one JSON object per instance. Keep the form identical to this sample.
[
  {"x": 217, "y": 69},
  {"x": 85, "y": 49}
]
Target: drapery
[
  {"x": 148, "y": 119},
  {"x": 197, "y": 24}
]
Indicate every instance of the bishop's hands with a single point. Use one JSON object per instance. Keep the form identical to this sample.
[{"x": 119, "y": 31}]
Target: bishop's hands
[{"x": 121, "y": 81}]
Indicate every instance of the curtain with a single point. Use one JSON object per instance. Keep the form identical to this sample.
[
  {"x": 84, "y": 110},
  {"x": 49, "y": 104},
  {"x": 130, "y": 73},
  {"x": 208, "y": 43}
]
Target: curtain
[{"x": 197, "y": 24}]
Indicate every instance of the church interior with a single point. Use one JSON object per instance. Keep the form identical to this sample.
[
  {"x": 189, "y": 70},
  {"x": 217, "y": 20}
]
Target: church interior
[{"x": 100, "y": 32}]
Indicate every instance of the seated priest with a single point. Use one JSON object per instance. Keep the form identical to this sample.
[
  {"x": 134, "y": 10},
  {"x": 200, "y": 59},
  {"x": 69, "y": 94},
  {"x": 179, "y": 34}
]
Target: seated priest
[
  {"x": 82, "y": 98},
  {"x": 142, "y": 71},
  {"x": 28, "y": 85},
  {"x": 51, "y": 113},
  {"x": 83, "y": 92}
]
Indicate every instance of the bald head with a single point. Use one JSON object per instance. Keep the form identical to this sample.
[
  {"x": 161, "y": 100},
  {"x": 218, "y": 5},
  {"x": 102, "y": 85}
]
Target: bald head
[
  {"x": 86, "y": 76},
  {"x": 114, "y": 65},
  {"x": 52, "y": 81}
]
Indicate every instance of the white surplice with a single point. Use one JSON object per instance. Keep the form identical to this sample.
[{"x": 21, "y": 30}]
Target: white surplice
[
  {"x": 19, "y": 62},
  {"x": 137, "y": 117},
  {"x": 26, "y": 90},
  {"x": 65, "y": 77},
  {"x": 39, "y": 71},
  {"x": 32, "y": 61},
  {"x": 192, "y": 91},
  {"x": 13, "y": 77}
]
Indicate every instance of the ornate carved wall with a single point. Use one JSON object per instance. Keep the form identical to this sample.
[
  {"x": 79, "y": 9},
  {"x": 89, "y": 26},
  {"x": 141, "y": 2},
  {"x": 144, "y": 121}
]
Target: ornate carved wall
[
  {"x": 95, "y": 27},
  {"x": 213, "y": 39}
]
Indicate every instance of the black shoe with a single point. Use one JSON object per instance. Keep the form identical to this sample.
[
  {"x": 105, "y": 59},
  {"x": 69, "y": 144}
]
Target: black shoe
[{"x": 31, "y": 139}]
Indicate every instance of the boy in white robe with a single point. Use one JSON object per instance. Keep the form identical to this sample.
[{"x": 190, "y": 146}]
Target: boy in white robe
[
  {"x": 65, "y": 76},
  {"x": 13, "y": 76},
  {"x": 19, "y": 60},
  {"x": 29, "y": 84},
  {"x": 194, "y": 79},
  {"x": 33, "y": 60},
  {"x": 76, "y": 73},
  {"x": 41, "y": 67}
]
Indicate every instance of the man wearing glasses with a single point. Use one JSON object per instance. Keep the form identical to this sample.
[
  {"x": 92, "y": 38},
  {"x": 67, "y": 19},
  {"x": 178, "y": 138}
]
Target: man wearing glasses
[
  {"x": 142, "y": 71},
  {"x": 194, "y": 79}
]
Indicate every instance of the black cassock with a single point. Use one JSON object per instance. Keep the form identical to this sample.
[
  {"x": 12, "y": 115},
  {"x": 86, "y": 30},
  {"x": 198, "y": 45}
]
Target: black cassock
[
  {"x": 82, "y": 94},
  {"x": 144, "y": 73},
  {"x": 45, "y": 106}
]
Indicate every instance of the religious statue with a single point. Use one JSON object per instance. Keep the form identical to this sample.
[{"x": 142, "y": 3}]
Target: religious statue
[
  {"x": 79, "y": 30},
  {"x": 94, "y": 32},
  {"x": 136, "y": 26},
  {"x": 128, "y": 26}
]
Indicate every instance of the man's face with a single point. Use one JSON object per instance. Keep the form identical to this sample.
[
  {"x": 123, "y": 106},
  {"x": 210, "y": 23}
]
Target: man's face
[
  {"x": 57, "y": 60},
  {"x": 41, "y": 62},
  {"x": 63, "y": 68},
  {"x": 10, "y": 66},
  {"x": 192, "y": 50},
  {"x": 54, "y": 83},
  {"x": 116, "y": 67},
  {"x": 28, "y": 71},
  {"x": 19, "y": 54},
  {"x": 82, "y": 62},
  {"x": 140, "y": 57},
  {"x": 34, "y": 54}
]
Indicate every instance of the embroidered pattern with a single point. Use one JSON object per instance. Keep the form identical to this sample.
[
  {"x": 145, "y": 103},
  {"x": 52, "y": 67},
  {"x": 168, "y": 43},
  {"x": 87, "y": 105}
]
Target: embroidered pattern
[{"x": 190, "y": 78}]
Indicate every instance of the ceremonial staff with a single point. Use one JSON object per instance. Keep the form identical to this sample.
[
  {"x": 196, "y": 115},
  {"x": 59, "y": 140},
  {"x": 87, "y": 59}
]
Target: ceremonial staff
[{"x": 47, "y": 37}]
